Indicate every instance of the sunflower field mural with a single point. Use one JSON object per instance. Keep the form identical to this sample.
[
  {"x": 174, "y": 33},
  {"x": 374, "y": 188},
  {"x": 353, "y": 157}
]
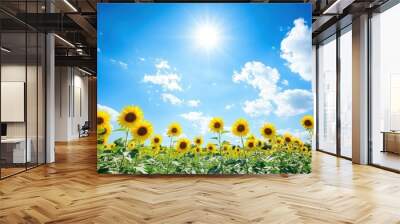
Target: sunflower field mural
[{"x": 204, "y": 89}]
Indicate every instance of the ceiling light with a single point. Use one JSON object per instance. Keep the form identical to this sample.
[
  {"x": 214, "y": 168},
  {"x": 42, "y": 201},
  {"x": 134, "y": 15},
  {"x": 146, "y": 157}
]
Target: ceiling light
[
  {"x": 5, "y": 50},
  {"x": 84, "y": 71},
  {"x": 337, "y": 7},
  {"x": 70, "y": 5},
  {"x": 65, "y": 41}
]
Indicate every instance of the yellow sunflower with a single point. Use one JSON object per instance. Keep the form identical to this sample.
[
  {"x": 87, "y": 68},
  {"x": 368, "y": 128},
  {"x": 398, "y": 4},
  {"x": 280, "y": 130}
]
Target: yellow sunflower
[
  {"x": 259, "y": 143},
  {"x": 198, "y": 141},
  {"x": 155, "y": 149},
  {"x": 197, "y": 150},
  {"x": 240, "y": 127},
  {"x": 130, "y": 116},
  {"x": 268, "y": 130},
  {"x": 307, "y": 122},
  {"x": 103, "y": 118},
  {"x": 251, "y": 136},
  {"x": 287, "y": 138},
  {"x": 104, "y": 132},
  {"x": 182, "y": 145},
  {"x": 297, "y": 141},
  {"x": 211, "y": 148},
  {"x": 174, "y": 130},
  {"x": 142, "y": 131},
  {"x": 156, "y": 140},
  {"x": 226, "y": 148},
  {"x": 250, "y": 143},
  {"x": 216, "y": 125},
  {"x": 107, "y": 147},
  {"x": 278, "y": 140},
  {"x": 131, "y": 145}
]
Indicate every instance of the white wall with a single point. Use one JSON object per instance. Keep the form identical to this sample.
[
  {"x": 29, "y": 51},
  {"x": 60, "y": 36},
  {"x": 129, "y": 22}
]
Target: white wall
[{"x": 71, "y": 102}]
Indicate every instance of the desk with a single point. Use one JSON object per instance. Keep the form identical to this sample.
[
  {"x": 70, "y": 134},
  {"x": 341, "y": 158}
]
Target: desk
[
  {"x": 15, "y": 148},
  {"x": 391, "y": 141}
]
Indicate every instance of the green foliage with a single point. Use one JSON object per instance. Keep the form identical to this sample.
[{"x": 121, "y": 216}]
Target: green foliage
[{"x": 142, "y": 160}]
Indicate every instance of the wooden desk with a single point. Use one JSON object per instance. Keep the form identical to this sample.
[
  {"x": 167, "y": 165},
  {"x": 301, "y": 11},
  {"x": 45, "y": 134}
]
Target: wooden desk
[
  {"x": 13, "y": 150},
  {"x": 391, "y": 141}
]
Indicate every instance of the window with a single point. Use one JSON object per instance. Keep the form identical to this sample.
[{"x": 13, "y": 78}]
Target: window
[
  {"x": 346, "y": 93},
  {"x": 385, "y": 89},
  {"x": 327, "y": 95}
]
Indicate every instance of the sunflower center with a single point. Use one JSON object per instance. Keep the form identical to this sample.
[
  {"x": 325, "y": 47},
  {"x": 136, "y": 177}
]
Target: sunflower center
[
  {"x": 100, "y": 120},
  {"x": 251, "y": 144},
  {"x": 156, "y": 140},
  {"x": 174, "y": 130},
  {"x": 197, "y": 150},
  {"x": 217, "y": 125},
  {"x": 240, "y": 128},
  {"x": 142, "y": 131},
  {"x": 130, "y": 117},
  {"x": 267, "y": 131},
  {"x": 287, "y": 139},
  {"x": 182, "y": 145},
  {"x": 307, "y": 123},
  {"x": 198, "y": 141},
  {"x": 104, "y": 132}
]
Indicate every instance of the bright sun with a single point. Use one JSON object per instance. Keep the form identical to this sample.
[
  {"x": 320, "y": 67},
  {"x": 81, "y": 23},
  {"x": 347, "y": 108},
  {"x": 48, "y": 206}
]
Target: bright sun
[{"x": 207, "y": 36}]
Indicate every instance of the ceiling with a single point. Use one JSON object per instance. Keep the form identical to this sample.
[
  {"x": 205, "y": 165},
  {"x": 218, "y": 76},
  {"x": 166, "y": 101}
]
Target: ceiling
[{"x": 75, "y": 22}]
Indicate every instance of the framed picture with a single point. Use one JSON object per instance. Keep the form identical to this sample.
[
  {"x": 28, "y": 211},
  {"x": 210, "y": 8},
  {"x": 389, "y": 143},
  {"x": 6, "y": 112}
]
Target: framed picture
[{"x": 204, "y": 88}]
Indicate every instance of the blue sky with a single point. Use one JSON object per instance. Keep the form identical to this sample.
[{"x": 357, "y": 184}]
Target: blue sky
[{"x": 190, "y": 62}]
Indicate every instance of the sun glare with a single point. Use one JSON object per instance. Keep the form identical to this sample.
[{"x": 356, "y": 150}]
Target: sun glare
[{"x": 207, "y": 36}]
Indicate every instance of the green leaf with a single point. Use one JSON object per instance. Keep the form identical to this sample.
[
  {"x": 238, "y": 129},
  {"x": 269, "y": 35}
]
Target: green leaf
[
  {"x": 120, "y": 129},
  {"x": 214, "y": 170}
]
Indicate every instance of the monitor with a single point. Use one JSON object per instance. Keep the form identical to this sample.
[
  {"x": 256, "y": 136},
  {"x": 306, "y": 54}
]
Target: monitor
[{"x": 3, "y": 129}]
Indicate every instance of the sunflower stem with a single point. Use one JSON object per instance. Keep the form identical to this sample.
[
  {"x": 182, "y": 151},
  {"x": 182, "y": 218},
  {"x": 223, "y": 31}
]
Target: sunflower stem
[
  {"x": 220, "y": 152},
  {"x": 126, "y": 149},
  {"x": 169, "y": 155},
  {"x": 245, "y": 156}
]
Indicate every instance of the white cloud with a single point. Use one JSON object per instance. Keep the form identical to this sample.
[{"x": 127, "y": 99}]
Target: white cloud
[
  {"x": 270, "y": 97},
  {"x": 257, "y": 107},
  {"x": 167, "y": 78},
  {"x": 285, "y": 82},
  {"x": 122, "y": 64},
  {"x": 198, "y": 120},
  {"x": 293, "y": 102},
  {"x": 170, "y": 98},
  {"x": 296, "y": 49},
  {"x": 193, "y": 103},
  {"x": 113, "y": 113},
  {"x": 162, "y": 64},
  {"x": 260, "y": 77},
  {"x": 167, "y": 81},
  {"x": 229, "y": 106},
  {"x": 141, "y": 59}
]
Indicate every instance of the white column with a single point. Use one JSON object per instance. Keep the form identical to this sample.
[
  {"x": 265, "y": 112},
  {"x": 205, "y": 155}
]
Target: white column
[
  {"x": 360, "y": 90},
  {"x": 50, "y": 99}
]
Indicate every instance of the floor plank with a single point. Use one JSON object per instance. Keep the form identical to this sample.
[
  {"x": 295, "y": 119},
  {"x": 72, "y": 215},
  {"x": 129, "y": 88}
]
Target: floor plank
[{"x": 70, "y": 191}]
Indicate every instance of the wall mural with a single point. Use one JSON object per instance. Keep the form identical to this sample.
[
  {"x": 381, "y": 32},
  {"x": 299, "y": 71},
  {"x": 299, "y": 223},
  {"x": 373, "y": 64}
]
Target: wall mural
[{"x": 204, "y": 88}]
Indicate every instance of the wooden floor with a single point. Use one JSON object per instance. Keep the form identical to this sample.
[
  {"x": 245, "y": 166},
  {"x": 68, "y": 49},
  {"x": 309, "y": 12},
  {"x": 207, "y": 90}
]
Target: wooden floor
[{"x": 70, "y": 191}]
